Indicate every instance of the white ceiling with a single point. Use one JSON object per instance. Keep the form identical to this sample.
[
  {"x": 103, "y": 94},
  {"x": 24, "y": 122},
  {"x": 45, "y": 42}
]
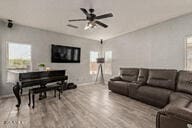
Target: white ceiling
[{"x": 129, "y": 15}]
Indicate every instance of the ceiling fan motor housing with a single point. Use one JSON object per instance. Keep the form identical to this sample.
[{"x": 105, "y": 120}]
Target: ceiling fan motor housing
[
  {"x": 91, "y": 10},
  {"x": 92, "y": 17}
]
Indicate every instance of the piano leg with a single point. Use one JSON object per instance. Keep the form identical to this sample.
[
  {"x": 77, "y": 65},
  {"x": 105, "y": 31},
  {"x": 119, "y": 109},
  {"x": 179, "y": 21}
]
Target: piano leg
[{"x": 16, "y": 91}]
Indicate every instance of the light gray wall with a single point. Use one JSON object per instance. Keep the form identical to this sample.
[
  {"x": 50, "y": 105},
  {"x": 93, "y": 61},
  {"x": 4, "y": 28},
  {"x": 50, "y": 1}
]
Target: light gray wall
[
  {"x": 0, "y": 51},
  {"x": 41, "y": 41},
  {"x": 157, "y": 46}
]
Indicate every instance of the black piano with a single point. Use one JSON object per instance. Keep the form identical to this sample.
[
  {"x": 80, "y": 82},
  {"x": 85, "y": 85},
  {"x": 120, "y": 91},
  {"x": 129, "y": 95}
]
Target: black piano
[{"x": 39, "y": 78}]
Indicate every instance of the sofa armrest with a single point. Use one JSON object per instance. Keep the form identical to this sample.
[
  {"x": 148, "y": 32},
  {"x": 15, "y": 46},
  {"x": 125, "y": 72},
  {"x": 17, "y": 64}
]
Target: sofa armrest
[
  {"x": 181, "y": 108},
  {"x": 117, "y": 78},
  {"x": 133, "y": 86},
  {"x": 167, "y": 120},
  {"x": 177, "y": 115},
  {"x": 136, "y": 84},
  {"x": 184, "y": 113}
]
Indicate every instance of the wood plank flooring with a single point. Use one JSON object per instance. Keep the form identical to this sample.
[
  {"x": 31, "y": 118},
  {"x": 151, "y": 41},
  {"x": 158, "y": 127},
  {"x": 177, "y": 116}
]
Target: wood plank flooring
[{"x": 90, "y": 106}]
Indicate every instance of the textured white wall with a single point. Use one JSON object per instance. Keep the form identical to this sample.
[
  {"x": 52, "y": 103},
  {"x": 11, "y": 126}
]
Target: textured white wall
[
  {"x": 157, "y": 46},
  {"x": 41, "y": 41},
  {"x": 0, "y": 52}
]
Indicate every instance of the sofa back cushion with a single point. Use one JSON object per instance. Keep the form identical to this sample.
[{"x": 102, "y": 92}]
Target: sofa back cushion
[
  {"x": 129, "y": 74},
  {"x": 143, "y": 75},
  {"x": 162, "y": 78},
  {"x": 184, "y": 83}
]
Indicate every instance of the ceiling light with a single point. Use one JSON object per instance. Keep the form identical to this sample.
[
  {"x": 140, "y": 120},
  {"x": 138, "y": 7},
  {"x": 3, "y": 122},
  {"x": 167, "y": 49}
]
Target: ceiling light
[{"x": 90, "y": 25}]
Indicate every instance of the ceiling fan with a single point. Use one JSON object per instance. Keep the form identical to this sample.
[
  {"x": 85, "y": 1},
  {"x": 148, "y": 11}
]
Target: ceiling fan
[{"x": 93, "y": 19}]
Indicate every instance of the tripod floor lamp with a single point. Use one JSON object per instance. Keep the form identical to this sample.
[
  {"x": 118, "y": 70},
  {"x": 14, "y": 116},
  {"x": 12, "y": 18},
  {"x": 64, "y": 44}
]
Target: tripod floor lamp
[{"x": 100, "y": 61}]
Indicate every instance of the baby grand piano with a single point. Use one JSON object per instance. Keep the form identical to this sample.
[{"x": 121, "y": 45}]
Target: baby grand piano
[{"x": 36, "y": 78}]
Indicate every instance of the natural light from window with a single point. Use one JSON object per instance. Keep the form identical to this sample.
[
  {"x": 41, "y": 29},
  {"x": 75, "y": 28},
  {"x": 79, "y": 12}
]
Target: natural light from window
[
  {"x": 19, "y": 56},
  {"x": 189, "y": 53},
  {"x": 108, "y": 62},
  {"x": 93, "y": 62}
]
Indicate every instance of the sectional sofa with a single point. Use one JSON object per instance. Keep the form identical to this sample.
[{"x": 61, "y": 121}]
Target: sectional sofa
[{"x": 168, "y": 89}]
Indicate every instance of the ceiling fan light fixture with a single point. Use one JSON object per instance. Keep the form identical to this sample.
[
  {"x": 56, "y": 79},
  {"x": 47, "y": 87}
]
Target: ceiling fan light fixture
[
  {"x": 90, "y": 25},
  {"x": 86, "y": 27}
]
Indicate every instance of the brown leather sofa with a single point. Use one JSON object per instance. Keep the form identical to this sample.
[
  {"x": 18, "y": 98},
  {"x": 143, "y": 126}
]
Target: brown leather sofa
[{"x": 162, "y": 88}]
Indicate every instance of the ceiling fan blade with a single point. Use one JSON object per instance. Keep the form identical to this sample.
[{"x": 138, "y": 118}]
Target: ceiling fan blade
[
  {"x": 101, "y": 24},
  {"x": 85, "y": 12},
  {"x": 104, "y": 16},
  {"x": 78, "y": 20},
  {"x": 72, "y": 26}
]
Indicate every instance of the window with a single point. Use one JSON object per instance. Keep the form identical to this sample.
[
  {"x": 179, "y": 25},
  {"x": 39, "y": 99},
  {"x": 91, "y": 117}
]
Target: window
[
  {"x": 93, "y": 62},
  {"x": 19, "y": 56},
  {"x": 189, "y": 53},
  {"x": 108, "y": 62}
]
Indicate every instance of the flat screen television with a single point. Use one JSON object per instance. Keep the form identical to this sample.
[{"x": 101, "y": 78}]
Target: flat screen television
[{"x": 65, "y": 54}]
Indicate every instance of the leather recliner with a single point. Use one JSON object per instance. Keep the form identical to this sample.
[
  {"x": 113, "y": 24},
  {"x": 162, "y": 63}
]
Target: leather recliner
[
  {"x": 161, "y": 88},
  {"x": 120, "y": 84}
]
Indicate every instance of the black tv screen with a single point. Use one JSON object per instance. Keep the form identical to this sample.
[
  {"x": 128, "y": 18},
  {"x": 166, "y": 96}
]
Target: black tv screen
[{"x": 65, "y": 54}]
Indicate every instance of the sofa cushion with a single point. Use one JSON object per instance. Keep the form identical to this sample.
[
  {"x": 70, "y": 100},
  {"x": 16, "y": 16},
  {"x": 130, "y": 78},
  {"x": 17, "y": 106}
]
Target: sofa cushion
[
  {"x": 120, "y": 87},
  {"x": 129, "y": 74},
  {"x": 162, "y": 78},
  {"x": 177, "y": 95},
  {"x": 143, "y": 75},
  {"x": 155, "y": 96},
  {"x": 184, "y": 82}
]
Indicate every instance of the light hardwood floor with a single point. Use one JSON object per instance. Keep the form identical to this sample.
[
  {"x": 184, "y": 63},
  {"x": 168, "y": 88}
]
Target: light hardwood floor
[{"x": 90, "y": 106}]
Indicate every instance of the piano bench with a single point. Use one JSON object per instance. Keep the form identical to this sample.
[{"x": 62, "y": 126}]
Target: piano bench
[{"x": 39, "y": 90}]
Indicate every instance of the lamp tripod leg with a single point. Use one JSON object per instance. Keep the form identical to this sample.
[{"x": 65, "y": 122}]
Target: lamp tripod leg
[
  {"x": 97, "y": 73},
  {"x": 102, "y": 76},
  {"x": 103, "y": 81}
]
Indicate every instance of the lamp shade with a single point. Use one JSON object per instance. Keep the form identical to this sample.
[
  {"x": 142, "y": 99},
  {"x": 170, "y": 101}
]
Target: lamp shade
[{"x": 101, "y": 60}]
